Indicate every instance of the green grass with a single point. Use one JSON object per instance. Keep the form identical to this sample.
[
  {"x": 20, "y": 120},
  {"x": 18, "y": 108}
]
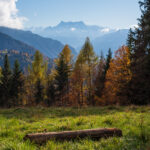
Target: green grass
[{"x": 134, "y": 122}]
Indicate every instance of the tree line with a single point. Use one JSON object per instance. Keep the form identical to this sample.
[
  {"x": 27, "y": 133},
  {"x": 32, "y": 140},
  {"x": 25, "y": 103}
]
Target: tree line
[{"x": 123, "y": 79}]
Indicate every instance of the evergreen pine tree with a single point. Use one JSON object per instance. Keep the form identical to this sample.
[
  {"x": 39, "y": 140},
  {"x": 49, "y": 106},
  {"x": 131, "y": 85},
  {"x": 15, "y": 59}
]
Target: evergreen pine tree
[
  {"x": 101, "y": 77},
  {"x": 50, "y": 92},
  {"x": 39, "y": 92},
  {"x": 66, "y": 52},
  {"x": 108, "y": 60},
  {"x": 17, "y": 84},
  {"x": 61, "y": 78},
  {"x": 132, "y": 56},
  {"x": 139, "y": 45},
  {"x": 131, "y": 40},
  {"x": 5, "y": 84},
  {"x": 144, "y": 24}
]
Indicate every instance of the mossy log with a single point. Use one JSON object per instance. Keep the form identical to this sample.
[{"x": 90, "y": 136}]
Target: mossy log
[{"x": 40, "y": 138}]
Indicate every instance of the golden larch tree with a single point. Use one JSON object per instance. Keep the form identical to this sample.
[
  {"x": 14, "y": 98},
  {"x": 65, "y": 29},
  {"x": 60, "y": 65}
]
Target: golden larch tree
[{"x": 118, "y": 78}]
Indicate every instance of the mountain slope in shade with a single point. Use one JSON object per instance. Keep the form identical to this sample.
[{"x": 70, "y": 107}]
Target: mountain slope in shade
[
  {"x": 112, "y": 40},
  {"x": 47, "y": 46},
  {"x": 7, "y": 42},
  {"x": 17, "y": 50}
]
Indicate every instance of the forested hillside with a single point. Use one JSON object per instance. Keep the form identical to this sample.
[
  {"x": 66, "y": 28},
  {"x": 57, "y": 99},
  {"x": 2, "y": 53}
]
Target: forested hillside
[
  {"x": 47, "y": 46},
  {"x": 7, "y": 42}
]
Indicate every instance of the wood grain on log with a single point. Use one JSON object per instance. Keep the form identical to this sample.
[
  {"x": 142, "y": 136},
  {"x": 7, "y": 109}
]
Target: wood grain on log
[{"x": 40, "y": 138}]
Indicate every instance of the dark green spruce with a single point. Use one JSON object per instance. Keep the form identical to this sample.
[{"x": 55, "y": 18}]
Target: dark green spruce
[
  {"x": 62, "y": 77},
  {"x": 5, "y": 84},
  {"x": 39, "y": 92},
  {"x": 17, "y": 85},
  {"x": 139, "y": 45}
]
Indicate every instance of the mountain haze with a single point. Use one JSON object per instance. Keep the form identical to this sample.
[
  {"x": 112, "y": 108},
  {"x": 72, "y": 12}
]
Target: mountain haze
[
  {"x": 75, "y": 33},
  {"x": 113, "y": 40}
]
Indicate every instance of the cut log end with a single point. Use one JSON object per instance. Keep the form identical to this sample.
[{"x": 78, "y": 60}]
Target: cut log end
[{"x": 41, "y": 138}]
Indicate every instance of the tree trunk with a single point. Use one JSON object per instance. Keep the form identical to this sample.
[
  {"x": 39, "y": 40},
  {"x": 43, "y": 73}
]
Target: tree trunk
[{"x": 40, "y": 138}]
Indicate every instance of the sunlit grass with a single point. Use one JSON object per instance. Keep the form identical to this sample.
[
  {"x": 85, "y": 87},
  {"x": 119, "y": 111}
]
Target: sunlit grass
[{"x": 134, "y": 122}]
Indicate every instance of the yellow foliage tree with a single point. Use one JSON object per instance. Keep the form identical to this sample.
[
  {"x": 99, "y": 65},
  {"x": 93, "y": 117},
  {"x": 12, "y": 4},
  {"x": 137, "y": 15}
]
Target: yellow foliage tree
[
  {"x": 77, "y": 81},
  {"x": 67, "y": 55},
  {"x": 38, "y": 68},
  {"x": 118, "y": 78},
  {"x": 37, "y": 73},
  {"x": 83, "y": 74}
]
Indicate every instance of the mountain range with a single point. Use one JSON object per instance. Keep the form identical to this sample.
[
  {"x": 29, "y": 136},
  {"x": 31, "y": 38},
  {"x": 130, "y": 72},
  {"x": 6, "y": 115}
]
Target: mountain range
[
  {"x": 49, "y": 47},
  {"x": 75, "y": 33},
  {"x": 22, "y": 44}
]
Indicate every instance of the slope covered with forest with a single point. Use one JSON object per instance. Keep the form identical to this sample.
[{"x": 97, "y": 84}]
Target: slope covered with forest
[
  {"x": 9, "y": 43},
  {"x": 49, "y": 47}
]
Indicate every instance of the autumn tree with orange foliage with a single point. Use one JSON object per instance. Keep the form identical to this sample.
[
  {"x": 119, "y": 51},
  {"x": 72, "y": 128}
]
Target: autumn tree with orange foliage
[
  {"x": 77, "y": 82},
  {"x": 118, "y": 78}
]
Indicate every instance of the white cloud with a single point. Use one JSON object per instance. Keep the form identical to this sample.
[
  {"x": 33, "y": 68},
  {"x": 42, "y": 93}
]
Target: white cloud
[
  {"x": 73, "y": 29},
  {"x": 8, "y": 14},
  {"x": 105, "y": 30}
]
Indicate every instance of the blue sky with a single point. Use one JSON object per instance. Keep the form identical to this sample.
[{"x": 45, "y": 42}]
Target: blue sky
[{"x": 110, "y": 13}]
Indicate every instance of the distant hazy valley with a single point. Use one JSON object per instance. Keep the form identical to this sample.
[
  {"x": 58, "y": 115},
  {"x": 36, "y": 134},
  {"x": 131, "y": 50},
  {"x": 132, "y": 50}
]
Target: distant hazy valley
[{"x": 74, "y": 34}]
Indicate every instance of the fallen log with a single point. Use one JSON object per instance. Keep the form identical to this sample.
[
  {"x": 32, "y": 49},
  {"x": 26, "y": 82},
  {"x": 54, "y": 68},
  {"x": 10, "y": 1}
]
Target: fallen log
[{"x": 40, "y": 138}]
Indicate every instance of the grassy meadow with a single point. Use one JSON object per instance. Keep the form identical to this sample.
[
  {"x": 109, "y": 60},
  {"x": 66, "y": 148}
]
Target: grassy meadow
[{"x": 134, "y": 122}]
